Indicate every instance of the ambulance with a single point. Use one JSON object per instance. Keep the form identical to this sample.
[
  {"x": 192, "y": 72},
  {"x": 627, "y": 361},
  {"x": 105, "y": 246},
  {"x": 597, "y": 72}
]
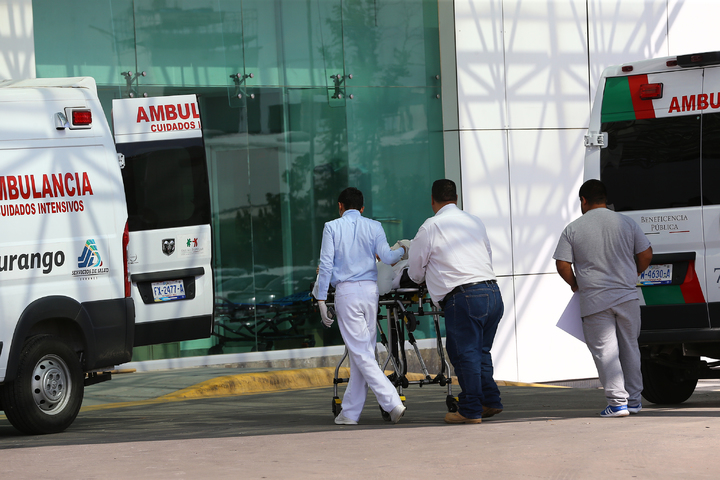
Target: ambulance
[
  {"x": 106, "y": 241},
  {"x": 654, "y": 140}
]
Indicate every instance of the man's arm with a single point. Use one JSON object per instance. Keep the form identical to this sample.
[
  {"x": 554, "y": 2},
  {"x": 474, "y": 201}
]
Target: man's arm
[
  {"x": 418, "y": 257},
  {"x": 327, "y": 256},
  {"x": 566, "y": 272},
  {"x": 642, "y": 260}
]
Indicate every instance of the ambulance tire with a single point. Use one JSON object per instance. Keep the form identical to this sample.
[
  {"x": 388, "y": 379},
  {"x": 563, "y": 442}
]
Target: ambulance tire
[
  {"x": 47, "y": 393},
  {"x": 666, "y": 385}
]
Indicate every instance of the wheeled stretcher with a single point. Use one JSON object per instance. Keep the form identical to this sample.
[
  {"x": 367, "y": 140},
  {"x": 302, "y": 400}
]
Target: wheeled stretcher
[{"x": 402, "y": 307}]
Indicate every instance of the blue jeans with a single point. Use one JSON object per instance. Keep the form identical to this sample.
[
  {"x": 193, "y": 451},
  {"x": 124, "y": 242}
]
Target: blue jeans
[{"x": 471, "y": 321}]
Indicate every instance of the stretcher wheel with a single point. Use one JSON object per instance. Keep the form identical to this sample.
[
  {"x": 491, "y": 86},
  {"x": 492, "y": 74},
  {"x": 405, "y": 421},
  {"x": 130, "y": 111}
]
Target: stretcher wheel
[
  {"x": 385, "y": 415},
  {"x": 405, "y": 382},
  {"x": 336, "y": 406},
  {"x": 451, "y": 403}
]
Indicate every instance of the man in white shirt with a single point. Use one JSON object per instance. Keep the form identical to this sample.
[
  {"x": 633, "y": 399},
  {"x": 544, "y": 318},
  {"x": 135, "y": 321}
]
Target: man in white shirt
[{"x": 451, "y": 253}]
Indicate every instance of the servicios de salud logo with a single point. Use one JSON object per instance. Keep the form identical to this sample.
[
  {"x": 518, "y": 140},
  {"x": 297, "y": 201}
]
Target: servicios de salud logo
[{"x": 90, "y": 262}]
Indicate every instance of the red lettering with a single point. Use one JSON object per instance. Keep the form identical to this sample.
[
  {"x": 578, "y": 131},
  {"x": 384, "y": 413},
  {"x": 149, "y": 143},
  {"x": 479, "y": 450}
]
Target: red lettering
[
  {"x": 35, "y": 193},
  {"x": 674, "y": 105},
  {"x": 3, "y": 189},
  {"x": 142, "y": 115},
  {"x": 58, "y": 185},
  {"x": 194, "y": 113},
  {"x": 170, "y": 112},
  {"x": 187, "y": 111},
  {"x": 86, "y": 188},
  {"x": 25, "y": 193},
  {"x": 712, "y": 102},
  {"x": 12, "y": 188},
  {"x": 46, "y": 189},
  {"x": 688, "y": 103},
  {"x": 702, "y": 101},
  {"x": 68, "y": 188},
  {"x": 157, "y": 113}
]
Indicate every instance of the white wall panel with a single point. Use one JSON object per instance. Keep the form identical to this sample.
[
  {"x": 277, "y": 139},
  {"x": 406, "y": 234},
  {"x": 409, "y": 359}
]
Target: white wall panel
[
  {"x": 692, "y": 26},
  {"x": 486, "y": 189},
  {"x": 546, "y": 63},
  {"x": 17, "y": 55},
  {"x": 504, "y": 351},
  {"x": 546, "y": 353},
  {"x": 545, "y": 175},
  {"x": 480, "y": 68},
  {"x": 622, "y": 31}
]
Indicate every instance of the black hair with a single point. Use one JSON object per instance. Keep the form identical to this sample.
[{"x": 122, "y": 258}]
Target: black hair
[
  {"x": 444, "y": 191},
  {"x": 351, "y": 198},
  {"x": 594, "y": 192}
]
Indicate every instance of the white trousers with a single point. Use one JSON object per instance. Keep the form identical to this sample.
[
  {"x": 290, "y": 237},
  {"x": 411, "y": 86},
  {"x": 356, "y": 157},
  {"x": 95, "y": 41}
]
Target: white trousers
[
  {"x": 612, "y": 337},
  {"x": 356, "y": 304}
]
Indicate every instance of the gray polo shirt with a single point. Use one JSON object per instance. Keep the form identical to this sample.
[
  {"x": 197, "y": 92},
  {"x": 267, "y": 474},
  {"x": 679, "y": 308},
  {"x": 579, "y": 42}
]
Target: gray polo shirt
[{"x": 601, "y": 246}]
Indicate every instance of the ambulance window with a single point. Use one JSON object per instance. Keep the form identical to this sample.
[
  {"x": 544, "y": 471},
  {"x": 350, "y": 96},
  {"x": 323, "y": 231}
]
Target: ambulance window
[
  {"x": 166, "y": 184},
  {"x": 652, "y": 163},
  {"x": 711, "y": 158}
]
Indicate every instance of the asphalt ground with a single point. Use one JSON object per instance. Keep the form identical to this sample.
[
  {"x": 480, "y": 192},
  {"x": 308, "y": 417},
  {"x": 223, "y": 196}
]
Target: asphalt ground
[{"x": 204, "y": 423}]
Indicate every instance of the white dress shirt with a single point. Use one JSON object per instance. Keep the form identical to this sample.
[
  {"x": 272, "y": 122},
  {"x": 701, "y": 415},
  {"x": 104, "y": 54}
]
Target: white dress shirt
[{"x": 450, "y": 249}]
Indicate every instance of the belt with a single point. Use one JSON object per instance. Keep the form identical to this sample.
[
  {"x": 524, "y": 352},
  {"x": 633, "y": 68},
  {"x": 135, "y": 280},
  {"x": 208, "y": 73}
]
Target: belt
[{"x": 462, "y": 288}]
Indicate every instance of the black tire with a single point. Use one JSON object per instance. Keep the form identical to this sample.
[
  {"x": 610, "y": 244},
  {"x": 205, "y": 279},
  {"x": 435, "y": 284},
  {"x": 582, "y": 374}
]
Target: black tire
[
  {"x": 47, "y": 393},
  {"x": 666, "y": 385}
]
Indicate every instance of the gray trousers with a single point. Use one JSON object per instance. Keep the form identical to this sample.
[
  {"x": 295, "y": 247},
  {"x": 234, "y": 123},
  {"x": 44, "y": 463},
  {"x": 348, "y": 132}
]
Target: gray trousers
[{"x": 612, "y": 337}]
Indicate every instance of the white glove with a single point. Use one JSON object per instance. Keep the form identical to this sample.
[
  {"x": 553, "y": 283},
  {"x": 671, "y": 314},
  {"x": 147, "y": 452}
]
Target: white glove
[
  {"x": 400, "y": 244},
  {"x": 326, "y": 320}
]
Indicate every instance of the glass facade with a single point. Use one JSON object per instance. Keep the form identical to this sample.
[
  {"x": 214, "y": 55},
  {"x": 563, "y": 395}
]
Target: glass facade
[{"x": 299, "y": 99}]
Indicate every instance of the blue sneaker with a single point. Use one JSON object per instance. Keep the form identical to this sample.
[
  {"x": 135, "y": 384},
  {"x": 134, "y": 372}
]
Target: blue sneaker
[
  {"x": 634, "y": 408},
  {"x": 619, "y": 411}
]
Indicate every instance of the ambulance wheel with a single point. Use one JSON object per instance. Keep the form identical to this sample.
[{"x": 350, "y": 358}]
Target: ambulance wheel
[
  {"x": 666, "y": 385},
  {"x": 47, "y": 393},
  {"x": 385, "y": 415}
]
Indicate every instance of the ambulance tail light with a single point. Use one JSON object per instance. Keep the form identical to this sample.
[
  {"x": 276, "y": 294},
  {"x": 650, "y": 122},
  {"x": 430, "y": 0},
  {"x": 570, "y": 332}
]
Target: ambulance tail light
[
  {"x": 79, "y": 118},
  {"x": 126, "y": 271},
  {"x": 699, "y": 59},
  {"x": 627, "y": 68},
  {"x": 651, "y": 91}
]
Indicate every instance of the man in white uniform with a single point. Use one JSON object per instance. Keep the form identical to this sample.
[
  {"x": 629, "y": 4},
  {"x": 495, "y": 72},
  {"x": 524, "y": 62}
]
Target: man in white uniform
[
  {"x": 347, "y": 262},
  {"x": 451, "y": 253}
]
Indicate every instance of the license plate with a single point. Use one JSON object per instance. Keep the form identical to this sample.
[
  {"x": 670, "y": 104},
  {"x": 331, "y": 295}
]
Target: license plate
[
  {"x": 656, "y": 275},
  {"x": 168, "y": 290}
]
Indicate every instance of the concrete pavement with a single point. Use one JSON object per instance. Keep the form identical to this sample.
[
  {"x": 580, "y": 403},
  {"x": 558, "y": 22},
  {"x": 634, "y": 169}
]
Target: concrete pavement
[{"x": 142, "y": 425}]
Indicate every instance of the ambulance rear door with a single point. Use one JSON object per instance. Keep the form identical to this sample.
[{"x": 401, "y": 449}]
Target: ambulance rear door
[
  {"x": 652, "y": 170},
  {"x": 166, "y": 186},
  {"x": 710, "y": 101}
]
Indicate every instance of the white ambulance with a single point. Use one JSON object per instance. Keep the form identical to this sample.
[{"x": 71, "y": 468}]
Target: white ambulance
[
  {"x": 654, "y": 140},
  {"x": 102, "y": 249}
]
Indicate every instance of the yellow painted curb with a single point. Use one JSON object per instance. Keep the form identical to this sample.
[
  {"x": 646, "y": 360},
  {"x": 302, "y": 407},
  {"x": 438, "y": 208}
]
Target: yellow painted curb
[
  {"x": 266, "y": 382},
  {"x": 263, "y": 382}
]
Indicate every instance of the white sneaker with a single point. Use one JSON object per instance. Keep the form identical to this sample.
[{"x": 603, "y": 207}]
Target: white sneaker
[
  {"x": 343, "y": 420},
  {"x": 397, "y": 412}
]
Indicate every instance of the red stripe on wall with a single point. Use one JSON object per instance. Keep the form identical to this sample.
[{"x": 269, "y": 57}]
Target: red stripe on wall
[
  {"x": 690, "y": 288},
  {"x": 643, "y": 108}
]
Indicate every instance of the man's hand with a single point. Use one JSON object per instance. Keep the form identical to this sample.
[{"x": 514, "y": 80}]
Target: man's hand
[
  {"x": 326, "y": 320},
  {"x": 566, "y": 272},
  {"x": 643, "y": 259}
]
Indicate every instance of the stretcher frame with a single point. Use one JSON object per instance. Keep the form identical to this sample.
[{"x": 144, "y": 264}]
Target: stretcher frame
[{"x": 401, "y": 321}]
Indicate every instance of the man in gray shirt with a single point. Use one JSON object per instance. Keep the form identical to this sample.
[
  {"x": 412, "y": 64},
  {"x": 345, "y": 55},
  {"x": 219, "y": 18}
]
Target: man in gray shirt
[{"x": 608, "y": 251}]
